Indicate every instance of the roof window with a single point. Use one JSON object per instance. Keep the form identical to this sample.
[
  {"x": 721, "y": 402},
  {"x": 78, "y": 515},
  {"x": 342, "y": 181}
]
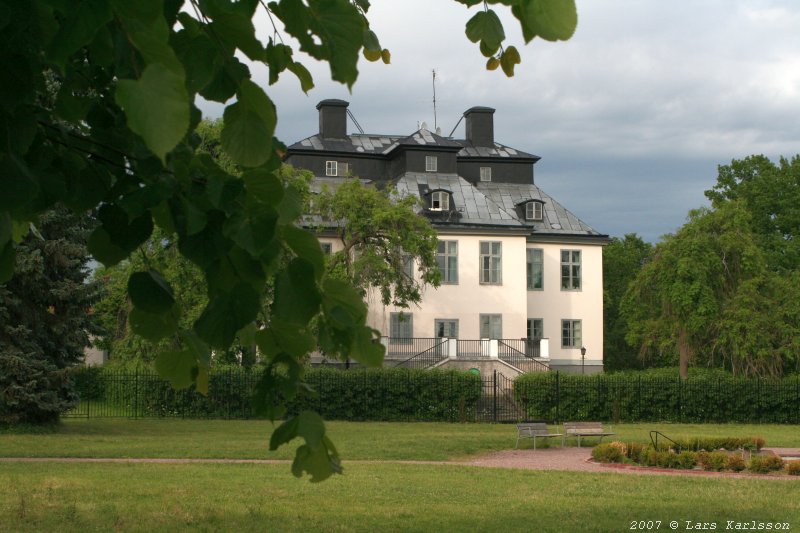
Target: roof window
[
  {"x": 440, "y": 201},
  {"x": 533, "y": 210}
]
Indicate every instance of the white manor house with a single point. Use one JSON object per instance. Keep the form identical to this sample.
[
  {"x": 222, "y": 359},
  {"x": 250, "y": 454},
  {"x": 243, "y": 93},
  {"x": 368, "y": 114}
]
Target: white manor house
[{"x": 522, "y": 277}]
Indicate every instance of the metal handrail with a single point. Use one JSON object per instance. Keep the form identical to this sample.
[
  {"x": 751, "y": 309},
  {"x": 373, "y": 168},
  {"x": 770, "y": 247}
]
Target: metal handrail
[
  {"x": 519, "y": 359},
  {"x": 419, "y": 357},
  {"x": 654, "y": 442}
]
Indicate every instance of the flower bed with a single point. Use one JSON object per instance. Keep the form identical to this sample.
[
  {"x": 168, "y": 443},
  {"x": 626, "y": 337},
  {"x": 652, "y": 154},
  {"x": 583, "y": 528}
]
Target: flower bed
[{"x": 738, "y": 459}]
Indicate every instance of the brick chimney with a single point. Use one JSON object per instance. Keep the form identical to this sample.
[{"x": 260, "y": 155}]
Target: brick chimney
[
  {"x": 333, "y": 119},
  {"x": 480, "y": 126}
]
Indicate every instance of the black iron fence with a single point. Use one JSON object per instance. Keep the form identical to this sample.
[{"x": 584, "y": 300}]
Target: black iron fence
[
  {"x": 400, "y": 394},
  {"x": 557, "y": 397},
  {"x": 389, "y": 394}
]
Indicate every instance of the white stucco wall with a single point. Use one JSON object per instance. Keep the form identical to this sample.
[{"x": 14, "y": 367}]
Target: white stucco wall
[
  {"x": 468, "y": 299},
  {"x": 554, "y": 305}
]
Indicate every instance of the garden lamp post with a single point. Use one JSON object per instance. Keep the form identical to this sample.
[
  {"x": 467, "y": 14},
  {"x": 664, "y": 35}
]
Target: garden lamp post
[{"x": 583, "y": 358}]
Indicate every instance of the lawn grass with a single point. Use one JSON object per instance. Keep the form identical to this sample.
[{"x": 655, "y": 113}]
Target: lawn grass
[
  {"x": 249, "y": 439},
  {"x": 372, "y": 497}
]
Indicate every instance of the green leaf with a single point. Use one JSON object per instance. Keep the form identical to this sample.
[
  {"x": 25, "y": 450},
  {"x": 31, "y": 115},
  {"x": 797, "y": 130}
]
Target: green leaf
[
  {"x": 295, "y": 341},
  {"x": 195, "y": 345},
  {"x": 264, "y": 186},
  {"x": 302, "y": 73},
  {"x": 297, "y": 300},
  {"x": 249, "y": 126},
  {"x": 366, "y": 349},
  {"x": 202, "y": 380},
  {"x": 226, "y": 314},
  {"x": 194, "y": 53},
  {"x": 317, "y": 456},
  {"x": 306, "y": 246},
  {"x": 177, "y": 366},
  {"x": 552, "y": 20},
  {"x": 150, "y": 292},
  {"x": 229, "y": 72},
  {"x": 253, "y": 228},
  {"x": 320, "y": 462},
  {"x": 486, "y": 26},
  {"x": 117, "y": 237},
  {"x": 291, "y": 206},
  {"x": 17, "y": 183},
  {"x": 342, "y": 295},
  {"x": 156, "y": 107},
  {"x": 78, "y": 29},
  {"x": 509, "y": 58},
  {"x": 153, "y": 327},
  {"x": 371, "y": 42}
]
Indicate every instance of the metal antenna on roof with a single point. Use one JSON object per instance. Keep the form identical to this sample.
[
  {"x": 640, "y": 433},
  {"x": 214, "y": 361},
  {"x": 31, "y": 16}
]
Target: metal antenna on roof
[
  {"x": 435, "y": 124},
  {"x": 350, "y": 114},
  {"x": 454, "y": 127}
]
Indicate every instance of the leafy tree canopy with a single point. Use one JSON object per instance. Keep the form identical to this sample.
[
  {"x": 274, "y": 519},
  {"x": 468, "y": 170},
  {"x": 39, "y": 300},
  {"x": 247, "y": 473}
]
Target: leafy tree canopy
[{"x": 120, "y": 138}]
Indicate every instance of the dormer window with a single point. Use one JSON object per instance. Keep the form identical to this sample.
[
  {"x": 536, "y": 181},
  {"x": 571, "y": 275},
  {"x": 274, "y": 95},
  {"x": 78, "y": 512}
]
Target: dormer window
[
  {"x": 331, "y": 168},
  {"x": 335, "y": 168},
  {"x": 533, "y": 210},
  {"x": 431, "y": 163},
  {"x": 486, "y": 173},
  {"x": 440, "y": 201}
]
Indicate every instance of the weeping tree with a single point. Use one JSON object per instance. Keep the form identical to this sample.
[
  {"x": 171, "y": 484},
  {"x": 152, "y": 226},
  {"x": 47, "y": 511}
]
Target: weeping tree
[
  {"x": 45, "y": 319},
  {"x": 708, "y": 296}
]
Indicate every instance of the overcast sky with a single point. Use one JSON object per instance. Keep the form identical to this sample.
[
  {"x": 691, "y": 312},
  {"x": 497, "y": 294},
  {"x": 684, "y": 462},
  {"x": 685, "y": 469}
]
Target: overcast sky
[{"x": 631, "y": 116}]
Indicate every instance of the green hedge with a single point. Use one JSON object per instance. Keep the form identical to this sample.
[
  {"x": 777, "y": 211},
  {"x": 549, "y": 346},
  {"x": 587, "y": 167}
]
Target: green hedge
[
  {"x": 660, "y": 397},
  {"x": 391, "y": 394}
]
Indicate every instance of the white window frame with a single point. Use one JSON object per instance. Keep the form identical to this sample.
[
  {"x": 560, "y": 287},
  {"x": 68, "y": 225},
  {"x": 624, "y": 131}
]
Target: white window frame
[
  {"x": 490, "y": 262},
  {"x": 401, "y": 328},
  {"x": 571, "y": 333},
  {"x": 571, "y": 270},
  {"x": 331, "y": 168},
  {"x": 486, "y": 173},
  {"x": 534, "y": 211},
  {"x": 431, "y": 163},
  {"x": 531, "y": 263},
  {"x": 440, "y": 201},
  {"x": 327, "y": 248},
  {"x": 493, "y": 323},
  {"x": 447, "y": 258}
]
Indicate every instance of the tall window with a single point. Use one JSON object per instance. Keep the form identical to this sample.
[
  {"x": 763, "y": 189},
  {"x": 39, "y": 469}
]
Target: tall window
[
  {"x": 440, "y": 201},
  {"x": 446, "y": 327},
  {"x": 401, "y": 328},
  {"x": 431, "y": 163},
  {"x": 533, "y": 211},
  {"x": 570, "y": 270},
  {"x": 331, "y": 168},
  {"x": 491, "y": 262},
  {"x": 535, "y": 268},
  {"x": 491, "y": 326},
  {"x": 535, "y": 328},
  {"x": 408, "y": 266},
  {"x": 486, "y": 173},
  {"x": 571, "y": 334},
  {"x": 447, "y": 257}
]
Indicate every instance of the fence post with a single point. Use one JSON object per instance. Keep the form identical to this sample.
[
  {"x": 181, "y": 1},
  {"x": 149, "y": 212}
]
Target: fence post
[
  {"x": 135, "y": 391},
  {"x": 494, "y": 396}
]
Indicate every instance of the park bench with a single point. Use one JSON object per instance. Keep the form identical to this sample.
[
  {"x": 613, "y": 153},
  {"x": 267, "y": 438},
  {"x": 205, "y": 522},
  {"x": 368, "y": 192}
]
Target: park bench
[
  {"x": 584, "y": 429},
  {"x": 534, "y": 430}
]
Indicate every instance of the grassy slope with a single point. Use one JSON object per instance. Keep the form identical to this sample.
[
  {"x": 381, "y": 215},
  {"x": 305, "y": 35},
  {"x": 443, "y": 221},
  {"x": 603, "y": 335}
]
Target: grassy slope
[{"x": 378, "y": 497}]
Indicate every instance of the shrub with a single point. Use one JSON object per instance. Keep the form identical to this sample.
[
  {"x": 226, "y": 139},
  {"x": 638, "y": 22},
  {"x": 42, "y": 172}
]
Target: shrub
[
  {"x": 608, "y": 453},
  {"x": 793, "y": 468},
  {"x": 686, "y": 460},
  {"x": 711, "y": 444},
  {"x": 763, "y": 464},
  {"x": 735, "y": 462},
  {"x": 636, "y": 452},
  {"x": 712, "y": 461}
]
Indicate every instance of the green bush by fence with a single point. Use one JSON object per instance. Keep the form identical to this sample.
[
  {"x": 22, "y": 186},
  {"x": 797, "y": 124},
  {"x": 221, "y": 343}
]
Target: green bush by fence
[
  {"x": 391, "y": 394},
  {"x": 642, "y": 397}
]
